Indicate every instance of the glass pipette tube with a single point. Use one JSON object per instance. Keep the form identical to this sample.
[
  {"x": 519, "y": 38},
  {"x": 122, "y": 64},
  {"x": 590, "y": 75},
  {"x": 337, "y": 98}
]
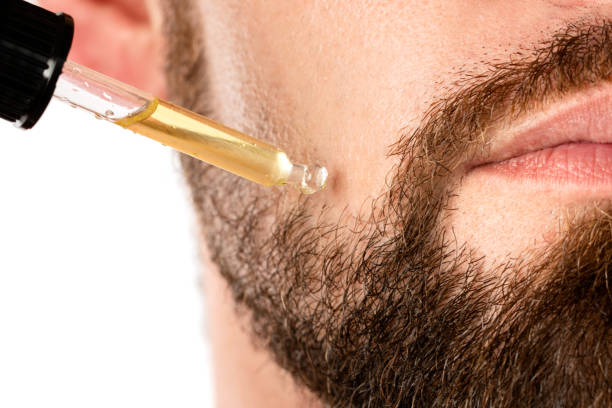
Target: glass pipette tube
[{"x": 184, "y": 130}]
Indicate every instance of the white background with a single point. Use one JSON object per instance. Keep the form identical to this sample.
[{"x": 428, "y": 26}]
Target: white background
[{"x": 99, "y": 300}]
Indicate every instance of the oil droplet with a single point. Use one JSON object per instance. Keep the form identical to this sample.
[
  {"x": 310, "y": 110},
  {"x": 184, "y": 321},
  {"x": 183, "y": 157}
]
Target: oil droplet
[
  {"x": 109, "y": 113},
  {"x": 308, "y": 179}
]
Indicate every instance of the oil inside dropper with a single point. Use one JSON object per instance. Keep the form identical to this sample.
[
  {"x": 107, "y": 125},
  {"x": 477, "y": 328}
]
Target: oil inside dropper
[{"x": 223, "y": 147}]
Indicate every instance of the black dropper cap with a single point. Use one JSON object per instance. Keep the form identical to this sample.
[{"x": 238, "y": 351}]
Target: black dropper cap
[{"x": 34, "y": 44}]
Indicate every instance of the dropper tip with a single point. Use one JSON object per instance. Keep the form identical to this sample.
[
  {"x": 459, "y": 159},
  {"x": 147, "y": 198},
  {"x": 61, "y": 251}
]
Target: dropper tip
[{"x": 308, "y": 179}]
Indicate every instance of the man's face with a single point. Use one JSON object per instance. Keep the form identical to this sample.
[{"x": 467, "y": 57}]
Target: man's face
[{"x": 459, "y": 254}]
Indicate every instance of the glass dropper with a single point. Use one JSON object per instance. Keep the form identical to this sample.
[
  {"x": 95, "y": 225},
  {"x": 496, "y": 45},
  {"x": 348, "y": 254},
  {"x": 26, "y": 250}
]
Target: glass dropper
[
  {"x": 184, "y": 130},
  {"x": 34, "y": 66}
]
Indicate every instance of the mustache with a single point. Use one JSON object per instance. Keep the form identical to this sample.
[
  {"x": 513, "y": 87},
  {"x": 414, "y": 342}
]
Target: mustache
[{"x": 454, "y": 128}]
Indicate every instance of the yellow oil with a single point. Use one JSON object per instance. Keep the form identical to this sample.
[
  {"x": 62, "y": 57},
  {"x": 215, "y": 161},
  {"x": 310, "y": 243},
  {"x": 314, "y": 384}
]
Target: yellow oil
[{"x": 211, "y": 142}]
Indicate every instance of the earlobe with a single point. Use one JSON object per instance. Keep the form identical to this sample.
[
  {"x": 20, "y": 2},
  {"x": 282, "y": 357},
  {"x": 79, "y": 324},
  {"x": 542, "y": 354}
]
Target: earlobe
[{"x": 120, "y": 38}]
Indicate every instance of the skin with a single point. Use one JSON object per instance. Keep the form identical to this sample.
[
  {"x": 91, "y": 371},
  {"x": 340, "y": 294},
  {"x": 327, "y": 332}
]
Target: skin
[{"x": 348, "y": 77}]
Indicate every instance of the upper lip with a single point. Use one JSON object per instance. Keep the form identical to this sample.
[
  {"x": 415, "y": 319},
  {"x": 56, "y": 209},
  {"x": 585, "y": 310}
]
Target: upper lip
[{"x": 582, "y": 118}]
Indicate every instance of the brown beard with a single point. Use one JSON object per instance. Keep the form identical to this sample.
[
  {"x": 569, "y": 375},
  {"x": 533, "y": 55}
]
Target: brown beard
[{"x": 385, "y": 312}]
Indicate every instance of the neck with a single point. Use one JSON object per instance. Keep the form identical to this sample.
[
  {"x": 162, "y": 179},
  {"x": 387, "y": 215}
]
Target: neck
[{"x": 244, "y": 375}]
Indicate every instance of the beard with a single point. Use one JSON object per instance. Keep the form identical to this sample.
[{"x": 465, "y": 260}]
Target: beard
[{"x": 387, "y": 311}]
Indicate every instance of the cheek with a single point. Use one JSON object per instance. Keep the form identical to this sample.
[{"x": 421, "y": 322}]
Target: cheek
[
  {"x": 345, "y": 79},
  {"x": 351, "y": 78}
]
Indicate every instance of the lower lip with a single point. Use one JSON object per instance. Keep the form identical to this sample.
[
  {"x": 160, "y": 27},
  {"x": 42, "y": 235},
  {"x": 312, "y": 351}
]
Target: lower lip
[{"x": 586, "y": 164}]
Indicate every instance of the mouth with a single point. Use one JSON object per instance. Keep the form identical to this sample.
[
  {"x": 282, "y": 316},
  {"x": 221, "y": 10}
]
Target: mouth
[{"x": 567, "y": 143}]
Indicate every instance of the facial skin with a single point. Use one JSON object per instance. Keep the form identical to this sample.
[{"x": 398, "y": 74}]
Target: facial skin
[
  {"x": 424, "y": 275},
  {"x": 420, "y": 276}
]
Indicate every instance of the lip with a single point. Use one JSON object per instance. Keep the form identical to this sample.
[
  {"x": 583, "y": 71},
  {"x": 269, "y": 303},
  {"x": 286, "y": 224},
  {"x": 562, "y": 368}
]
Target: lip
[{"x": 568, "y": 142}]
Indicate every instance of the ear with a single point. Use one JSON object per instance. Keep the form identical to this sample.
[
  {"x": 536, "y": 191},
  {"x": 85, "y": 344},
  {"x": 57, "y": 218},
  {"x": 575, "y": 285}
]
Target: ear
[{"x": 120, "y": 38}]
